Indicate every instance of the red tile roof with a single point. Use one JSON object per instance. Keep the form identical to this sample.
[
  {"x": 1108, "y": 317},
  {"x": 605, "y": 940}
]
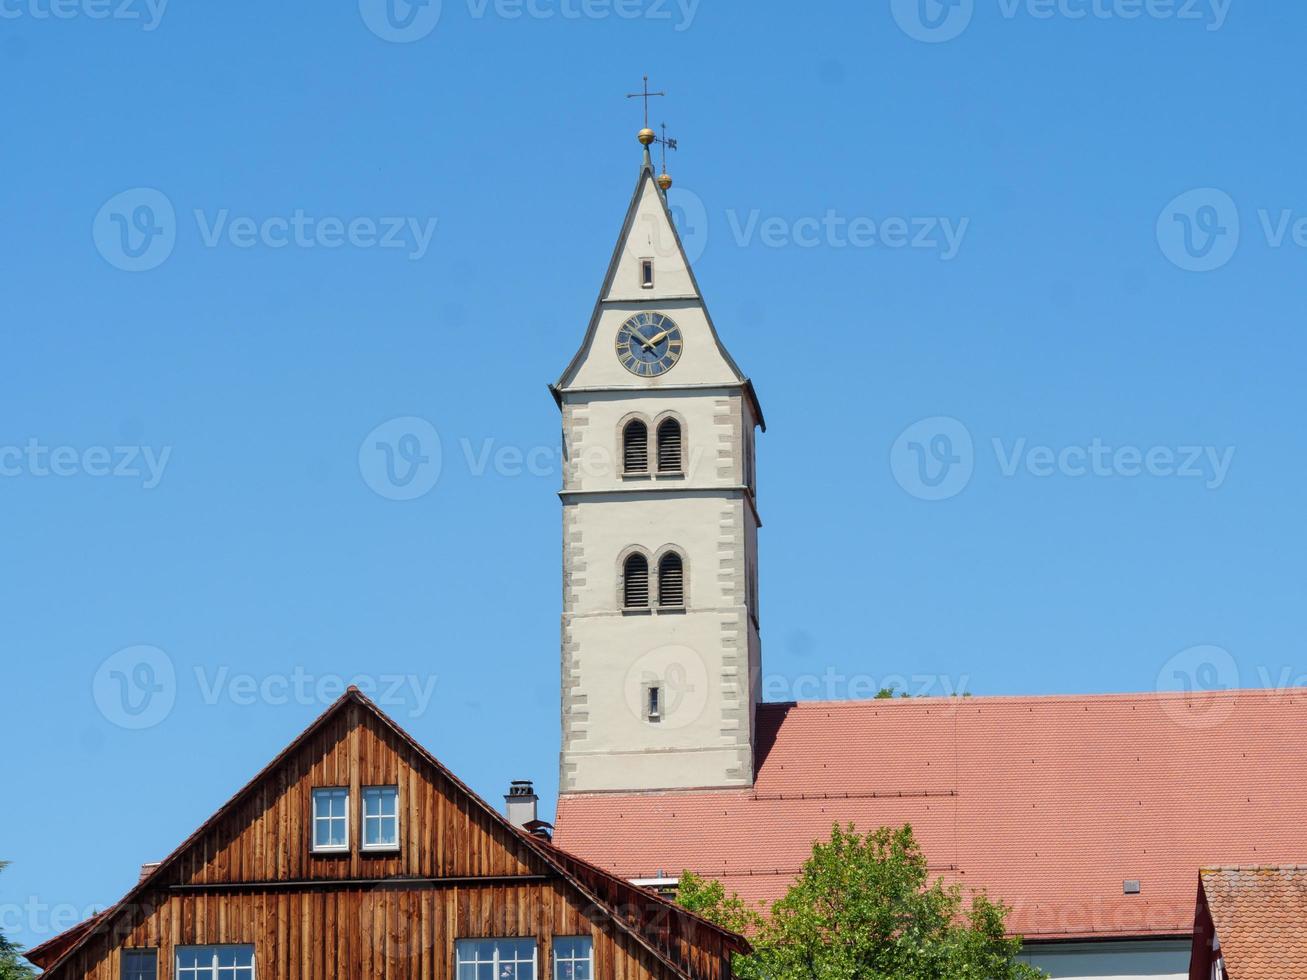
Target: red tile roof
[
  {"x": 1049, "y": 803},
  {"x": 1260, "y": 915}
]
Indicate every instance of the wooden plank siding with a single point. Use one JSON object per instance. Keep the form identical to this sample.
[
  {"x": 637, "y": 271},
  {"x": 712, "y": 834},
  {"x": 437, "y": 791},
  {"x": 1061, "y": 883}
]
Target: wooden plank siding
[{"x": 461, "y": 872}]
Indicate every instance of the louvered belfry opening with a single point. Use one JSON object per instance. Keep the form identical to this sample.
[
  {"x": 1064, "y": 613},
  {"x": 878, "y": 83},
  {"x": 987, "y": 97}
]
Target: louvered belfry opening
[
  {"x": 635, "y": 447},
  {"x": 669, "y": 446},
  {"x": 671, "y": 580},
  {"x": 635, "y": 582}
]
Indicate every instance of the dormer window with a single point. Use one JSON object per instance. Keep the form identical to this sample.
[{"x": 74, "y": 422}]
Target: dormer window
[
  {"x": 646, "y": 274},
  {"x": 331, "y": 820}
]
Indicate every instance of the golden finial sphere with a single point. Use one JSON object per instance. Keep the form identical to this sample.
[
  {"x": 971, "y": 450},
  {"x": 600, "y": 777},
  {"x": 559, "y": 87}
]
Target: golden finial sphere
[
  {"x": 647, "y": 136},
  {"x": 664, "y": 181}
]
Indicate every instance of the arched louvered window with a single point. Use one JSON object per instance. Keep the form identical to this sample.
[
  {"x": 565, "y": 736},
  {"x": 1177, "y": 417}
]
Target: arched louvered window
[
  {"x": 669, "y": 446},
  {"x": 671, "y": 580},
  {"x": 635, "y": 582},
  {"x": 635, "y": 447}
]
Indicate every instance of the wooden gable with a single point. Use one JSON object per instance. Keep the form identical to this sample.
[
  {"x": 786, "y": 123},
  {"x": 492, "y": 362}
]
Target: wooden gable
[{"x": 461, "y": 871}]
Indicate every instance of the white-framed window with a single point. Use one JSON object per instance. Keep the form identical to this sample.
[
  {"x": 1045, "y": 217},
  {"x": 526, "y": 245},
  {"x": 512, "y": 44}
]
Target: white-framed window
[
  {"x": 380, "y": 818},
  {"x": 331, "y": 819},
  {"x": 215, "y": 963},
  {"x": 140, "y": 964},
  {"x": 574, "y": 958},
  {"x": 496, "y": 959}
]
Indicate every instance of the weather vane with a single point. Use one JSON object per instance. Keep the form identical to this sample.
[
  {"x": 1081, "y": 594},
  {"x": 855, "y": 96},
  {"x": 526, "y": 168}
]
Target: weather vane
[{"x": 664, "y": 179}]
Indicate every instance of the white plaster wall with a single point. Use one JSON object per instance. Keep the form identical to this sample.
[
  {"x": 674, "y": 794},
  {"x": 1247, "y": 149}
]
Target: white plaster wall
[
  {"x": 691, "y": 746},
  {"x": 706, "y": 658},
  {"x": 1138, "y": 960},
  {"x": 594, "y": 437},
  {"x": 652, "y": 771},
  {"x": 608, "y": 525},
  {"x": 701, "y": 359},
  {"x": 651, "y": 235}
]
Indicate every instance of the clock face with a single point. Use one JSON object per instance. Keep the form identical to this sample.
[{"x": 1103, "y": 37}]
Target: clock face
[{"x": 649, "y": 344}]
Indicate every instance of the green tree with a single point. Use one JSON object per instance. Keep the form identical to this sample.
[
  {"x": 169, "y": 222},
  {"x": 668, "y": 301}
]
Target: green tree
[
  {"x": 864, "y": 908},
  {"x": 12, "y": 966}
]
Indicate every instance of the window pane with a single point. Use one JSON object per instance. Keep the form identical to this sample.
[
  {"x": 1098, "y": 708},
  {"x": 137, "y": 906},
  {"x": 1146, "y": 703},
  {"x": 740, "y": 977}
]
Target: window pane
[
  {"x": 188, "y": 956},
  {"x": 380, "y": 800},
  {"x": 573, "y": 958},
  {"x": 380, "y": 816},
  {"x": 330, "y": 823},
  {"x": 227, "y": 962},
  {"x": 140, "y": 964},
  {"x": 472, "y": 950}
]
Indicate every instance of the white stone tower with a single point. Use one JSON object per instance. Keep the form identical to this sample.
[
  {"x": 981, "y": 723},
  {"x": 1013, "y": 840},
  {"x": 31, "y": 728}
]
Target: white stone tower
[{"x": 660, "y": 635}]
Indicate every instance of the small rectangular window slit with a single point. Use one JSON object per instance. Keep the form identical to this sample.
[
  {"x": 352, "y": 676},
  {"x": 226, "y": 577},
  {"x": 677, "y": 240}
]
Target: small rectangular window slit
[
  {"x": 646, "y": 274},
  {"x": 655, "y": 705}
]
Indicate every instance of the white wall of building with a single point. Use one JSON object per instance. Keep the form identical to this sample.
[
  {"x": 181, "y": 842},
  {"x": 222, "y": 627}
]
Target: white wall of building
[{"x": 1137, "y": 960}]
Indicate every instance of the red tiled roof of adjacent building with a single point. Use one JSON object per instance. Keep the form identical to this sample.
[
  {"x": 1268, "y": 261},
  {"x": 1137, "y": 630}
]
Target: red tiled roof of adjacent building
[
  {"x": 1260, "y": 919},
  {"x": 1048, "y": 803}
]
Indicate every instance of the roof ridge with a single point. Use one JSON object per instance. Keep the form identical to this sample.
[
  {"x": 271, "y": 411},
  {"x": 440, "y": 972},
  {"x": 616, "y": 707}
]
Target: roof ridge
[{"x": 1118, "y": 696}]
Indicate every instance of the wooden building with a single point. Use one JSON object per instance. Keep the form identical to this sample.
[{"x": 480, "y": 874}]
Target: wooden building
[{"x": 356, "y": 854}]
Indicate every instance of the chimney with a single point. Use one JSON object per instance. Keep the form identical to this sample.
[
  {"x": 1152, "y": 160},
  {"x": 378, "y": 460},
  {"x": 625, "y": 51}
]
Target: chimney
[
  {"x": 520, "y": 803},
  {"x": 148, "y": 869}
]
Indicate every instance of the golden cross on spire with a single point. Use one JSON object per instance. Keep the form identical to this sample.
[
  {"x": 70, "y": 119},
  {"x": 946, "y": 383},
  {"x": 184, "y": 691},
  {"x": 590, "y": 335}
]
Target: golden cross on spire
[{"x": 646, "y": 95}]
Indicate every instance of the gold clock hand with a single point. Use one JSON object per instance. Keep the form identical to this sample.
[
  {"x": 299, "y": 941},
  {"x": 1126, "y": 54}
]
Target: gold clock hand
[{"x": 656, "y": 339}]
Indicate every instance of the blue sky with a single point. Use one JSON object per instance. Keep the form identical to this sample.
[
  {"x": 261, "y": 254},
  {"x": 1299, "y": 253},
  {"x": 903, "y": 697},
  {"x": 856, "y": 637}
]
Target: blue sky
[{"x": 1020, "y": 290}]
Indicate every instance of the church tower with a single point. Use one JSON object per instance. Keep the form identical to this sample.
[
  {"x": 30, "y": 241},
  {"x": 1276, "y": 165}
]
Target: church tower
[{"x": 660, "y": 635}]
